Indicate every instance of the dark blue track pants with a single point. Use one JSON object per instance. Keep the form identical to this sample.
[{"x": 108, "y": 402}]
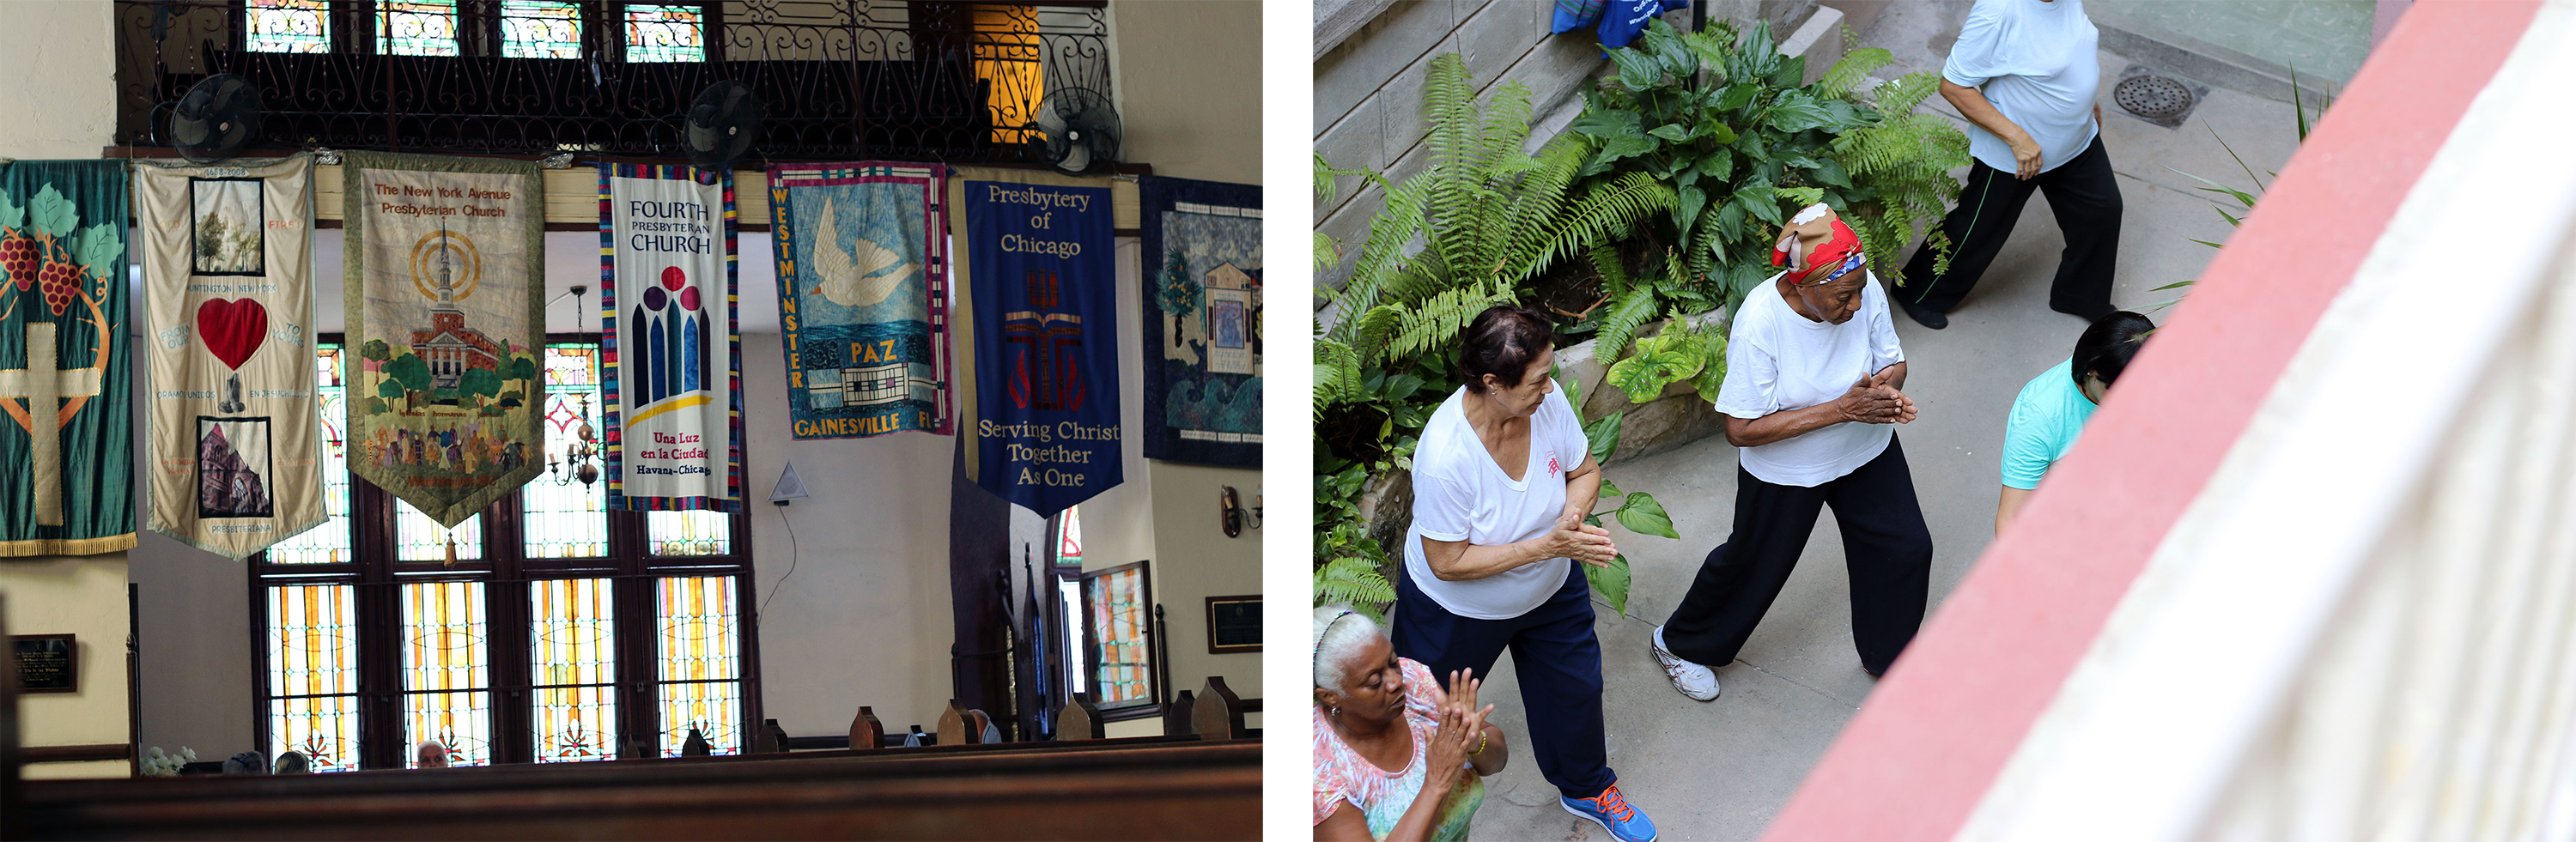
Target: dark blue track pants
[{"x": 1556, "y": 657}]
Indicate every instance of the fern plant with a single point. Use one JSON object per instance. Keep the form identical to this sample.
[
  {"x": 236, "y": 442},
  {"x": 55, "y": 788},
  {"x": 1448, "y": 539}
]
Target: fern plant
[{"x": 1722, "y": 116}]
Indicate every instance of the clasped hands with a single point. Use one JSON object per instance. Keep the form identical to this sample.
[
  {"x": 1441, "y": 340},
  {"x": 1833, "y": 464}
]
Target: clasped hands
[
  {"x": 1574, "y": 539},
  {"x": 1462, "y": 723},
  {"x": 1876, "y": 400}
]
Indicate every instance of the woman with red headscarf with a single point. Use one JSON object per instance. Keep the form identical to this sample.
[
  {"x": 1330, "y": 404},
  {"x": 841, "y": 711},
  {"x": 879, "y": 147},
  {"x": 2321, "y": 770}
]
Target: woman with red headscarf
[{"x": 1814, "y": 385}]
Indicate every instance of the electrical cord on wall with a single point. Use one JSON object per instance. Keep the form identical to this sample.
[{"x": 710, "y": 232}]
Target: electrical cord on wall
[{"x": 795, "y": 554}]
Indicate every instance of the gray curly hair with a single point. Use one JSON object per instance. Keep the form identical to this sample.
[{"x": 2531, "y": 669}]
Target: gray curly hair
[{"x": 1339, "y": 633}]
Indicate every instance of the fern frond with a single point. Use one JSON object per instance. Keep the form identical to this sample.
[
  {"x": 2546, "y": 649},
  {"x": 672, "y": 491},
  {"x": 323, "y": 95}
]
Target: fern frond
[
  {"x": 1847, "y": 74},
  {"x": 1353, "y": 579},
  {"x": 1438, "y": 321},
  {"x": 1902, "y": 94},
  {"x": 1396, "y": 225},
  {"x": 1619, "y": 325},
  {"x": 1337, "y": 374},
  {"x": 1614, "y": 205}
]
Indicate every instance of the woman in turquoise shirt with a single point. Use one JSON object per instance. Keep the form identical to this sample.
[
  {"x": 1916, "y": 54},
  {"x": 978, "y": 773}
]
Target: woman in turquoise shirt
[{"x": 2053, "y": 407}]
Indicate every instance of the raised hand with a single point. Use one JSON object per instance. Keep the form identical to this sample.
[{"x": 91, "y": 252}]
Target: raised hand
[
  {"x": 1870, "y": 400},
  {"x": 1584, "y": 542}
]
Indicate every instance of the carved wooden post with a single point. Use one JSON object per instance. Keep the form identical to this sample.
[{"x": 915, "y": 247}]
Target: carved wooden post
[
  {"x": 1080, "y": 720},
  {"x": 1176, "y": 716},
  {"x": 865, "y": 730},
  {"x": 952, "y": 725},
  {"x": 1219, "y": 713}
]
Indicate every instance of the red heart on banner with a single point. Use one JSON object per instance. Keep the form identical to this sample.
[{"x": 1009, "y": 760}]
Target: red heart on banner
[{"x": 232, "y": 329}]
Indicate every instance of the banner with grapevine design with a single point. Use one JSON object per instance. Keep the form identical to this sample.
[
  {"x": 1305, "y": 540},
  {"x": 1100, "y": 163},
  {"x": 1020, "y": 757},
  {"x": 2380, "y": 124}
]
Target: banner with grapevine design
[
  {"x": 232, "y": 430},
  {"x": 66, "y": 457}
]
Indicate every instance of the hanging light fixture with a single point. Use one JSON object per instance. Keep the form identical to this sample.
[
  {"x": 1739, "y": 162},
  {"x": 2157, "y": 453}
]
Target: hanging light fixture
[{"x": 580, "y": 459}]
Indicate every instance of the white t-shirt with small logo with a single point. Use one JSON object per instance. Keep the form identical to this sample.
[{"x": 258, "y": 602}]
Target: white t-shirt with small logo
[{"x": 1461, "y": 494}]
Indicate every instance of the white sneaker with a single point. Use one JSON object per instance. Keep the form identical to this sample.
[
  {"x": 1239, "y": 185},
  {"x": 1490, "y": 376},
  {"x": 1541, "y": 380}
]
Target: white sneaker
[{"x": 1695, "y": 681}]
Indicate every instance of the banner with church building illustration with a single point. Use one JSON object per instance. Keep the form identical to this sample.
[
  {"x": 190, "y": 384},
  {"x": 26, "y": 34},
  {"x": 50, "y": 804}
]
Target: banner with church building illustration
[
  {"x": 670, "y": 337},
  {"x": 1202, "y": 259},
  {"x": 863, "y": 297},
  {"x": 66, "y": 455},
  {"x": 231, "y": 429},
  {"x": 444, "y": 292}
]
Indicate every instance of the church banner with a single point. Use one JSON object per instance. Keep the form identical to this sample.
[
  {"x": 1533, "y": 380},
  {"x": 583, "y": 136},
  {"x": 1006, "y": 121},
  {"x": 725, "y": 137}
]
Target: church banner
[
  {"x": 672, "y": 342},
  {"x": 228, "y": 306},
  {"x": 863, "y": 297},
  {"x": 66, "y": 455},
  {"x": 1202, "y": 256},
  {"x": 444, "y": 289},
  {"x": 1046, "y": 342}
]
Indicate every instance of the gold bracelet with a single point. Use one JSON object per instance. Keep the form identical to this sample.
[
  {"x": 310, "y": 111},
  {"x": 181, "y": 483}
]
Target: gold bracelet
[{"x": 1481, "y": 740}]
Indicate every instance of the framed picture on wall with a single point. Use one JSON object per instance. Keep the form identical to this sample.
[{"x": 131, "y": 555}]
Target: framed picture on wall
[
  {"x": 47, "y": 663},
  {"x": 1118, "y": 634},
  {"x": 1234, "y": 624}
]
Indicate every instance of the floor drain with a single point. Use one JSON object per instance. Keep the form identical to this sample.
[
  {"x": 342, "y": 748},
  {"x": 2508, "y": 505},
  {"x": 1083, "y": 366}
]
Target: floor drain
[{"x": 2155, "y": 97}]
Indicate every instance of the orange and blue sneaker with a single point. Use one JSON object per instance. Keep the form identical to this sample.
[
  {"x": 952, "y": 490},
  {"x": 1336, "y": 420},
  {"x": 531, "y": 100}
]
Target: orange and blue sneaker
[{"x": 1610, "y": 810}]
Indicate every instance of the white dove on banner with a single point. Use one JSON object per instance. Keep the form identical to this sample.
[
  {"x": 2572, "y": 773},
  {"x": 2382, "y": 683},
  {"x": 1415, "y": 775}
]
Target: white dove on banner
[{"x": 855, "y": 282}]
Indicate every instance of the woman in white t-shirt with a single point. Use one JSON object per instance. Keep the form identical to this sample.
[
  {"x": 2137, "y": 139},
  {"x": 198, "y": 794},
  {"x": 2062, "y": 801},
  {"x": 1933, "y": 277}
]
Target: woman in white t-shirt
[
  {"x": 1814, "y": 383},
  {"x": 1502, "y": 480}
]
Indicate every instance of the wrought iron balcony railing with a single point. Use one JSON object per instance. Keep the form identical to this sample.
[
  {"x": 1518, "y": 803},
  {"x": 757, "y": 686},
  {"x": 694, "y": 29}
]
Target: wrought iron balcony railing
[{"x": 840, "y": 78}]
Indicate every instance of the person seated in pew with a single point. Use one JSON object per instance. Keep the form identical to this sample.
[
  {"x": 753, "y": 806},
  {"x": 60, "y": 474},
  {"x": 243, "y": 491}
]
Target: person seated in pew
[
  {"x": 432, "y": 755},
  {"x": 2053, "y": 407},
  {"x": 1397, "y": 759}
]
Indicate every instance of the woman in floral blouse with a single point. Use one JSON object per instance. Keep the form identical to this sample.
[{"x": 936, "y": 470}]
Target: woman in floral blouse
[{"x": 1396, "y": 758}]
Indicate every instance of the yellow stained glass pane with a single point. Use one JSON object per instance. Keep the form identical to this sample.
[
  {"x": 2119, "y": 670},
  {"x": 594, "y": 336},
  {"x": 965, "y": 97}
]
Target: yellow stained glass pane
[
  {"x": 287, "y": 26},
  {"x": 713, "y": 708},
  {"x": 444, "y": 637},
  {"x": 576, "y": 724},
  {"x": 460, "y": 721},
  {"x": 328, "y": 543},
  {"x": 417, "y": 538},
  {"x": 698, "y": 636},
  {"x": 689, "y": 533},
  {"x": 540, "y": 29},
  {"x": 325, "y": 729},
  {"x": 1007, "y": 55},
  {"x": 312, "y": 640},
  {"x": 416, "y": 27}
]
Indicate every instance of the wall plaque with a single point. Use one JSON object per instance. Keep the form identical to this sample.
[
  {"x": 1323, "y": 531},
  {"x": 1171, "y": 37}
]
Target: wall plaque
[
  {"x": 1234, "y": 624},
  {"x": 47, "y": 663}
]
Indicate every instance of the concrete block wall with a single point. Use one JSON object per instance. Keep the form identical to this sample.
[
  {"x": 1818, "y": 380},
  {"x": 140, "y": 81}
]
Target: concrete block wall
[{"x": 1371, "y": 56}]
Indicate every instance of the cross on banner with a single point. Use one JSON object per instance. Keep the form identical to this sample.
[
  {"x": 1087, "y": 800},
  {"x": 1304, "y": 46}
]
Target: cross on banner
[{"x": 43, "y": 386}]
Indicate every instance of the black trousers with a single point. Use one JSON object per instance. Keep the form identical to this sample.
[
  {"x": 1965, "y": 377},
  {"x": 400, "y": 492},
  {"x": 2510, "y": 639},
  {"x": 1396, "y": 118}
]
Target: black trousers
[
  {"x": 1885, "y": 546},
  {"x": 2084, "y": 196},
  {"x": 1556, "y": 657}
]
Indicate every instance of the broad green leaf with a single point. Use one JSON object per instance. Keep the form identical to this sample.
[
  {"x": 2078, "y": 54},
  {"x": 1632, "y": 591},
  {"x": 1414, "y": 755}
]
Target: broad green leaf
[
  {"x": 1604, "y": 435},
  {"x": 1674, "y": 132},
  {"x": 1760, "y": 201},
  {"x": 1402, "y": 386},
  {"x": 1758, "y": 46},
  {"x": 1718, "y": 165},
  {"x": 1795, "y": 112},
  {"x": 1645, "y": 374},
  {"x": 1737, "y": 96},
  {"x": 1637, "y": 70},
  {"x": 1607, "y": 123},
  {"x": 1610, "y": 582},
  {"x": 1730, "y": 219},
  {"x": 1789, "y": 71},
  {"x": 12, "y": 216},
  {"x": 1717, "y": 131},
  {"x": 1830, "y": 172},
  {"x": 1685, "y": 177},
  {"x": 53, "y": 214},
  {"x": 1642, "y": 515},
  {"x": 1688, "y": 202},
  {"x": 1610, "y": 489},
  {"x": 1615, "y": 148}
]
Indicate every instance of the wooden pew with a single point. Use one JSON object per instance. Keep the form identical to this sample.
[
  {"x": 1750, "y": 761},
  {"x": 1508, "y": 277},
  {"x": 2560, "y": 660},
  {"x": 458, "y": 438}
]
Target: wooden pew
[{"x": 1143, "y": 788}]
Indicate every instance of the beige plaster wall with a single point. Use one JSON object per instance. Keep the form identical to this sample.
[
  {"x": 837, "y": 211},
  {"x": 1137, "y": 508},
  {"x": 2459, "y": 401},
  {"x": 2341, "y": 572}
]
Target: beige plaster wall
[
  {"x": 1189, "y": 86},
  {"x": 61, "y": 104}
]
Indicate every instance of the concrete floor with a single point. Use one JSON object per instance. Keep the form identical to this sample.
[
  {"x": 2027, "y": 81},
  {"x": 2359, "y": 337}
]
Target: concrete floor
[{"x": 1722, "y": 769}]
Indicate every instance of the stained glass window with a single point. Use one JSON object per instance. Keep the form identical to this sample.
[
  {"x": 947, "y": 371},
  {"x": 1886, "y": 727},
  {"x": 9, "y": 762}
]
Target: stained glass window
[
  {"x": 1068, "y": 547},
  {"x": 417, "y": 538},
  {"x": 288, "y": 26},
  {"x": 416, "y": 27},
  {"x": 540, "y": 29},
  {"x": 1006, "y": 54},
  {"x": 701, "y": 663},
  {"x": 567, "y": 518},
  {"x": 446, "y": 671},
  {"x": 689, "y": 533},
  {"x": 664, "y": 33},
  {"x": 1117, "y": 602},
  {"x": 574, "y": 665},
  {"x": 328, "y": 543},
  {"x": 313, "y": 674}
]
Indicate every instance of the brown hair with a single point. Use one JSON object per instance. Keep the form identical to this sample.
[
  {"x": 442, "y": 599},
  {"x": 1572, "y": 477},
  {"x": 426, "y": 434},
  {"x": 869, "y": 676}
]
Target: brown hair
[{"x": 1502, "y": 341}]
